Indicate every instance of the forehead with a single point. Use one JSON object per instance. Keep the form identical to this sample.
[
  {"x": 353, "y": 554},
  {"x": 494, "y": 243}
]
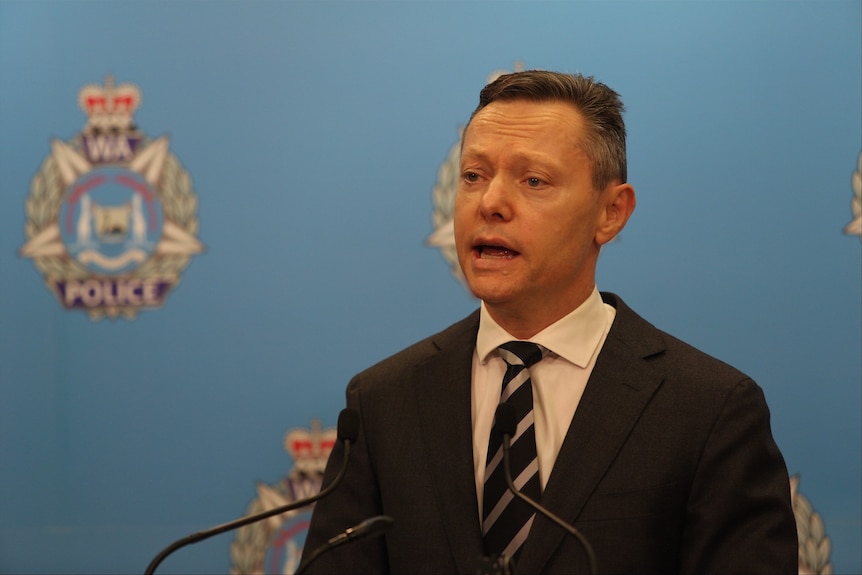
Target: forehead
[{"x": 556, "y": 121}]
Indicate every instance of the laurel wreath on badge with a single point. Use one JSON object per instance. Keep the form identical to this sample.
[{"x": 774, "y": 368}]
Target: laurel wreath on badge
[
  {"x": 248, "y": 550},
  {"x": 814, "y": 545},
  {"x": 854, "y": 228},
  {"x": 443, "y": 196}
]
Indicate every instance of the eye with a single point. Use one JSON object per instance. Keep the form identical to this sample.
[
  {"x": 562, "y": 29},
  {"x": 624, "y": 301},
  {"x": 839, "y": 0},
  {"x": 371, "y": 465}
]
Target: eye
[
  {"x": 534, "y": 182},
  {"x": 471, "y": 177}
]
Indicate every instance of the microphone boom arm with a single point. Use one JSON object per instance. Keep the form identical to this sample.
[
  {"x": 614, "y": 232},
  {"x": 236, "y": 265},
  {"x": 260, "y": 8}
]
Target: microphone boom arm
[
  {"x": 505, "y": 424},
  {"x": 242, "y": 521},
  {"x": 369, "y": 528}
]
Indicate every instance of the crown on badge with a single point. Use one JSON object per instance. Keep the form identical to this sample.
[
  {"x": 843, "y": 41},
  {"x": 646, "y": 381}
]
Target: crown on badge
[
  {"x": 310, "y": 448},
  {"x": 109, "y": 107}
]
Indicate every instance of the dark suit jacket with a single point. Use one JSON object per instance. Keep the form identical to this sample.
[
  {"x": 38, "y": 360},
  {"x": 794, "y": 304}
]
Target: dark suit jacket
[{"x": 669, "y": 466}]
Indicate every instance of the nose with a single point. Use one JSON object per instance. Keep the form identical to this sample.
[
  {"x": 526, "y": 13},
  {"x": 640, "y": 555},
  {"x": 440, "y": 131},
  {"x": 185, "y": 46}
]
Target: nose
[{"x": 496, "y": 200}]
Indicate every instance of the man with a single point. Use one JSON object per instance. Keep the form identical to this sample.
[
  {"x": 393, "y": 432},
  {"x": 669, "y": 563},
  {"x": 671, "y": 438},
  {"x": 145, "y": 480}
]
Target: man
[{"x": 661, "y": 456}]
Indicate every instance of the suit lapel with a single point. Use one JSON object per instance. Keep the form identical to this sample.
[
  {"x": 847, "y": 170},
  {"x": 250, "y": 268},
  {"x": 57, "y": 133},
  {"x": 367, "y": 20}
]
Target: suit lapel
[
  {"x": 442, "y": 390},
  {"x": 616, "y": 394}
]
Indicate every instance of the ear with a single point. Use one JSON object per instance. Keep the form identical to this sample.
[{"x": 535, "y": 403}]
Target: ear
[{"x": 618, "y": 203}]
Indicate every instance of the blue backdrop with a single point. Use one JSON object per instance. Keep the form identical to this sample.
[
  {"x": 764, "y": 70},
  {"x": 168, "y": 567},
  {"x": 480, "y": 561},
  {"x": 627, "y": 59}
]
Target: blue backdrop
[{"x": 313, "y": 133}]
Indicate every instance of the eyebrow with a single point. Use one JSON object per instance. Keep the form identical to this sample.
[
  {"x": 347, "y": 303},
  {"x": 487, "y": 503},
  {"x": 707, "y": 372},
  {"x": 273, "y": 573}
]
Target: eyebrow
[{"x": 519, "y": 158}]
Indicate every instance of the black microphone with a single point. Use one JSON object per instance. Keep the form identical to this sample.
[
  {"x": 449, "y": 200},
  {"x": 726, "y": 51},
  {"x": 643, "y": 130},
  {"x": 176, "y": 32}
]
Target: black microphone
[
  {"x": 368, "y": 528},
  {"x": 505, "y": 423},
  {"x": 348, "y": 431}
]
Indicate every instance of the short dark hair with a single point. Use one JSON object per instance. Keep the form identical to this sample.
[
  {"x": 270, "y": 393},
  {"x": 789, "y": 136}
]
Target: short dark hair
[{"x": 604, "y": 142}]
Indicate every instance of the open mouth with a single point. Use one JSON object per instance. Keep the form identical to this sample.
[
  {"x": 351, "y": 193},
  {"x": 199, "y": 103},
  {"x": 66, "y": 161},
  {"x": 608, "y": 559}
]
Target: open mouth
[{"x": 495, "y": 252}]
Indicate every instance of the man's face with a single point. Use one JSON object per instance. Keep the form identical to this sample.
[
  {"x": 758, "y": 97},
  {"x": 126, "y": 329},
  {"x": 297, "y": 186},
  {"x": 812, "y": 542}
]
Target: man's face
[{"x": 528, "y": 222}]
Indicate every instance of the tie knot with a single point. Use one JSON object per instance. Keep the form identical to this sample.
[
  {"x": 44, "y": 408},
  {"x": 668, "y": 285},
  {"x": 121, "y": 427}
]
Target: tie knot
[{"x": 524, "y": 353}]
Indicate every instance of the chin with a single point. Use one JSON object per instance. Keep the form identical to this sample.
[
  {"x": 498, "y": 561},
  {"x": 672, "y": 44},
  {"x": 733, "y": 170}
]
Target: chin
[{"x": 491, "y": 294}]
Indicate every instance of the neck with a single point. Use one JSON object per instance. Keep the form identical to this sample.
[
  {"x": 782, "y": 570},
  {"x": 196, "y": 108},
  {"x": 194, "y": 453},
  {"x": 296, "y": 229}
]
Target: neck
[{"x": 523, "y": 322}]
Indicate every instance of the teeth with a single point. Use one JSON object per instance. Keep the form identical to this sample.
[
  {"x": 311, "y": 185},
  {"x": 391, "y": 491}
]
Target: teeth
[{"x": 496, "y": 252}]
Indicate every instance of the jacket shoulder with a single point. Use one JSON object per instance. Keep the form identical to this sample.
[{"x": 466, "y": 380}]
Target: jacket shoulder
[
  {"x": 666, "y": 352},
  {"x": 458, "y": 338}
]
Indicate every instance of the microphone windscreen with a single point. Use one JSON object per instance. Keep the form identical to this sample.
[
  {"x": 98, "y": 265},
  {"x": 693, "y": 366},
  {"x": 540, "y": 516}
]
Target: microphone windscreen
[
  {"x": 505, "y": 420},
  {"x": 348, "y": 425}
]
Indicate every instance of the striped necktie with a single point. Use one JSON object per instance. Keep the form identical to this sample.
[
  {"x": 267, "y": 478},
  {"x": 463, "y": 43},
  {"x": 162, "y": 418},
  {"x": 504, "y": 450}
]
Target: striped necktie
[{"x": 507, "y": 520}]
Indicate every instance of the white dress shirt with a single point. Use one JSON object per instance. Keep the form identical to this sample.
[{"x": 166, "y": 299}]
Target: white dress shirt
[{"x": 558, "y": 379}]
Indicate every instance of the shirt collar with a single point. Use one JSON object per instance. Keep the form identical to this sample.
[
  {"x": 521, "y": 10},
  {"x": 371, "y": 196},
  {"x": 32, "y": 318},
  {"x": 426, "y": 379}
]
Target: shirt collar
[{"x": 574, "y": 337}]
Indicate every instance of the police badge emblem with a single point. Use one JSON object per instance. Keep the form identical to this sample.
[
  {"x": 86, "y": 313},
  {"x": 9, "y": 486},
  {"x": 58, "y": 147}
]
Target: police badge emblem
[
  {"x": 275, "y": 544},
  {"x": 111, "y": 215}
]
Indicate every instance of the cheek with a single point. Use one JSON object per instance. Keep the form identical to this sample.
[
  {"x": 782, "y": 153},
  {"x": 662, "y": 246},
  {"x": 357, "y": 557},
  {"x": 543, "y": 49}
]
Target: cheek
[
  {"x": 464, "y": 202},
  {"x": 567, "y": 238},
  {"x": 461, "y": 216},
  {"x": 457, "y": 222}
]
